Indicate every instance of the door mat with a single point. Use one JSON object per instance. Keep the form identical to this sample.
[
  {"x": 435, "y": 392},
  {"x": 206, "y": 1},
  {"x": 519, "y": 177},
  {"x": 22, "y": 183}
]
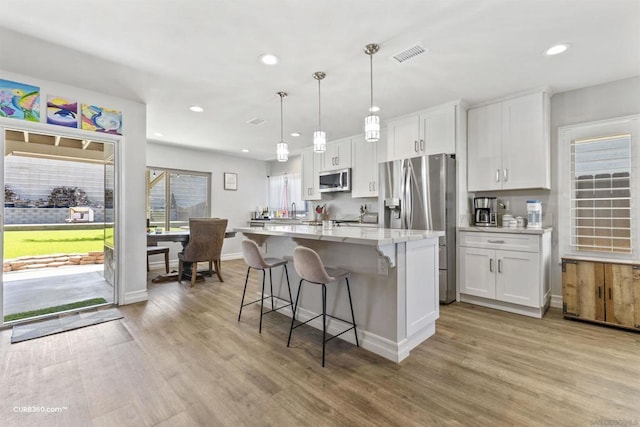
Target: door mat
[{"x": 34, "y": 330}]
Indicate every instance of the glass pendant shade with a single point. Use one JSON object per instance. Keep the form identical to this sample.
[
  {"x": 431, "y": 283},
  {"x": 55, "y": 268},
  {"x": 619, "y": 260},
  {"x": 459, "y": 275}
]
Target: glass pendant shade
[
  {"x": 282, "y": 151},
  {"x": 319, "y": 141},
  {"x": 372, "y": 128}
]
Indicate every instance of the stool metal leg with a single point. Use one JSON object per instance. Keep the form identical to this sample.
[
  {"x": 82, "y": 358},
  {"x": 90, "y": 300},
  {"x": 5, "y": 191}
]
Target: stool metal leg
[
  {"x": 324, "y": 320},
  {"x": 264, "y": 274},
  {"x": 286, "y": 272},
  {"x": 271, "y": 287},
  {"x": 295, "y": 306},
  {"x": 246, "y": 280},
  {"x": 353, "y": 318}
]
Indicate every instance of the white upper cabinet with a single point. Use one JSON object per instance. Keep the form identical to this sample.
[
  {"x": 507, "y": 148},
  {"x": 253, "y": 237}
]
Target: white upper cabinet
[
  {"x": 426, "y": 132},
  {"x": 311, "y": 165},
  {"x": 338, "y": 155},
  {"x": 364, "y": 177},
  {"x": 438, "y": 129},
  {"x": 508, "y": 144}
]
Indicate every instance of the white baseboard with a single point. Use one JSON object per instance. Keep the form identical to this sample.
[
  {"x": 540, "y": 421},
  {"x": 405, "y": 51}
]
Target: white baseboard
[
  {"x": 134, "y": 297},
  {"x": 556, "y": 301},
  {"x": 174, "y": 262}
]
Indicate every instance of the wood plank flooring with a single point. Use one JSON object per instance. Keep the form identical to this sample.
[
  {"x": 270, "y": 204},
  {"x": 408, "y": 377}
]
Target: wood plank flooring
[{"x": 182, "y": 359}]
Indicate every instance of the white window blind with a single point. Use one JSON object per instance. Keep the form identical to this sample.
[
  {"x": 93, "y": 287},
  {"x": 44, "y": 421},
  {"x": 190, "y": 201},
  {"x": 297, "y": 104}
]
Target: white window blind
[{"x": 601, "y": 188}]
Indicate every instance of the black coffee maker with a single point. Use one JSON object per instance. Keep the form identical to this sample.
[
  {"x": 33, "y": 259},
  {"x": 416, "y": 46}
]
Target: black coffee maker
[{"x": 485, "y": 211}]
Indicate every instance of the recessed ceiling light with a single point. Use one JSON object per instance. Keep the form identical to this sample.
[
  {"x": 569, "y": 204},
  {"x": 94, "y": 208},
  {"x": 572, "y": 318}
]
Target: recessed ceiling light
[
  {"x": 559, "y": 48},
  {"x": 269, "y": 59},
  {"x": 374, "y": 109},
  {"x": 196, "y": 109},
  {"x": 295, "y": 134},
  {"x": 244, "y": 150},
  {"x": 158, "y": 134}
]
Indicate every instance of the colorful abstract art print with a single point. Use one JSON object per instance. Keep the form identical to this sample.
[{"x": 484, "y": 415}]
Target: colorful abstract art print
[
  {"x": 100, "y": 119},
  {"x": 19, "y": 101},
  {"x": 62, "y": 111}
]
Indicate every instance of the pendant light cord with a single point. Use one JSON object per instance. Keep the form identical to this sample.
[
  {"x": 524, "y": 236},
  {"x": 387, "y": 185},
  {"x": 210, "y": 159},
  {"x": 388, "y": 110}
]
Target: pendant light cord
[
  {"x": 319, "y": 107},
  {"x": 281, "y": 120},
  {"x": 371, "y": 68}
]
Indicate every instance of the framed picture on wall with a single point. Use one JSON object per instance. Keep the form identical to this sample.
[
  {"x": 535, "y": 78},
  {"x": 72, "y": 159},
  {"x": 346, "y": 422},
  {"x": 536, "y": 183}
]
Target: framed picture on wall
[{"x": 230, "y": 181}]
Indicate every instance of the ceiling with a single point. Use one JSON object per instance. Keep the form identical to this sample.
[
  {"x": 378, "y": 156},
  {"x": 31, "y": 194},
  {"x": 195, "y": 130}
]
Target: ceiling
[{"x": 174, "y": 54}]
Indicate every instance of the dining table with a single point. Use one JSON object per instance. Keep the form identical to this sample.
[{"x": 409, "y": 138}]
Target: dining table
[{"x": 181, "y": 236}]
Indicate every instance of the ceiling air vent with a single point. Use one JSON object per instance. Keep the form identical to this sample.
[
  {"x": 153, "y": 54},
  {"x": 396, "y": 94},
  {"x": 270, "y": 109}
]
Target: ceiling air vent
[
  {"x": 409, "y": 53},
  {"x": 256, "y": 121}
]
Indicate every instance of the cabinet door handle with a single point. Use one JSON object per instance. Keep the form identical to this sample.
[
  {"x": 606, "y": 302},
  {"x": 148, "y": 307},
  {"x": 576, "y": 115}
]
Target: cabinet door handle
[
  {"x": 491, "y": 265},
  {"x": 496, "y": 241},
  {"x": 497, "y": 175},
  {"x": 415, "y": 146},
  {"x": 506, "y": 174},
  {"x": 499, "y": 266},
  {"x": 337, "y": 160},
  {"x": 422, "y": 145},
  {"x": 374, "y": 185},
  {"x": 369, "y": 185}
]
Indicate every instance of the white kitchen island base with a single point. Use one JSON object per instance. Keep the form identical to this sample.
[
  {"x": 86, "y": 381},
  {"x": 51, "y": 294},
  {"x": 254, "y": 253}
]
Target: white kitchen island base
[{"x": 394, "y": 282}]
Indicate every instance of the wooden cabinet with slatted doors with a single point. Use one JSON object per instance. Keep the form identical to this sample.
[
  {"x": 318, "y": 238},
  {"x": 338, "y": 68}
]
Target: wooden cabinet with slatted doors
[{"x": 601, "y": 292}]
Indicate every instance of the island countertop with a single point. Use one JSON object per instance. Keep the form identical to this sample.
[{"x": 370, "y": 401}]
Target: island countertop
[{"x": 356, "y": 235}]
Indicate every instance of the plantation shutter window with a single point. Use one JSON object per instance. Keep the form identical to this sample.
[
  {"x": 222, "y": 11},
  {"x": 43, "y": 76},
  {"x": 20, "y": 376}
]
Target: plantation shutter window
[{"x": 601, "y": 188}]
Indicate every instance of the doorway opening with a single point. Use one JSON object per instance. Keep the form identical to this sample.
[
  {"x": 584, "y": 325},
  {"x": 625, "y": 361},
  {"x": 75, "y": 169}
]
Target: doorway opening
[{"x": 58, "y": 224}]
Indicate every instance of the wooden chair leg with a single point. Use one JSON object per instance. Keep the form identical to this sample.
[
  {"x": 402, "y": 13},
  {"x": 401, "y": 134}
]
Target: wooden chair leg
[
  {"x": 194, "y": 273},
  {"x": 210, "y": 268},
  {"x": 147, "y": 262},
  {"x": 218, "y": 270},
  {"x": 166, "y": 262}
]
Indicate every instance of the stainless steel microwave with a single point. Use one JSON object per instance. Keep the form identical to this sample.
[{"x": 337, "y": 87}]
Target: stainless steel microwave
[{"x": 339, "y": 180}]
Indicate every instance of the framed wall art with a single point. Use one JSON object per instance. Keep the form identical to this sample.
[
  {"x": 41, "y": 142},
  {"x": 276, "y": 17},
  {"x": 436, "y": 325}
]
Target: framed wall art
[{"x": 230, "y": 181}]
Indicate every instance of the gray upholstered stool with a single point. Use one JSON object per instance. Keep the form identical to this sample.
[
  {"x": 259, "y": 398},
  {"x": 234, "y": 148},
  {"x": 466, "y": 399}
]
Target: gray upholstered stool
[
  {"x": 309, "y": 267},
  {"x": 254, "y": 259}
]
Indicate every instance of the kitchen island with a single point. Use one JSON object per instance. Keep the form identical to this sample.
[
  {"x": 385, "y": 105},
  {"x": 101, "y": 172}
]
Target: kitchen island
[{"x": 394, "y": 281}]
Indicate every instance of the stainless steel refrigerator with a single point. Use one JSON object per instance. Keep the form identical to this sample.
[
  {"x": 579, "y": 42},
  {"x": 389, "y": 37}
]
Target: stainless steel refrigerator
[{"x": 420, "y": 194}]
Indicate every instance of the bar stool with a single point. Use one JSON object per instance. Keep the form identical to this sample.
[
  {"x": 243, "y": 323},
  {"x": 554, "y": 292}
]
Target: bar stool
[
  {"x": 309, "y": 267},
  {"x": 254, "y": 259}
]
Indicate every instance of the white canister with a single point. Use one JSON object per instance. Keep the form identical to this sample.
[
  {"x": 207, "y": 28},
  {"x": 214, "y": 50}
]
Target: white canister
[
  {"x": 506, "y": 220},
  {"x": 520, "y": 221},
  {"x": 534, "y": 214}
]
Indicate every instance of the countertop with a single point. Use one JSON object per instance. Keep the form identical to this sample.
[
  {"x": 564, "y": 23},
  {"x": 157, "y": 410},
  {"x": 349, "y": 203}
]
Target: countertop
[
  {"x": 345, "y": 234},
  {"x": 512, "y": 230}
]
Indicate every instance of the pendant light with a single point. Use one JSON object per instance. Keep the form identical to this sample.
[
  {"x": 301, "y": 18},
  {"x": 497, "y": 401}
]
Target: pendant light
[
  {"x": 371, "y": 122},
  {"x": 319, "y": 136},
  {"x": 282, "y": 149}
]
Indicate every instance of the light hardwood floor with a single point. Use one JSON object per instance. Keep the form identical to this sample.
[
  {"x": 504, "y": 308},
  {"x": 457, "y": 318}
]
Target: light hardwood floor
[{"x": 182, "y": 359}]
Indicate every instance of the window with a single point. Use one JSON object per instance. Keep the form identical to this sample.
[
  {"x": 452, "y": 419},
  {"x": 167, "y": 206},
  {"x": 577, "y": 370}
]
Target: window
[
  {"x": 285, "y": 190},
  {"x": 598, "y": 188},
  {"x": 174, "y": 196},
  {"x": 601, "y": 194}
]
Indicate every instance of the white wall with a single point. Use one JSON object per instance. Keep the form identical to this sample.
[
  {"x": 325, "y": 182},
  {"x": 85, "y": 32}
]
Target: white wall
[
  {"x": 131, "y": 243},
  {"x": 236, "y": 206}
]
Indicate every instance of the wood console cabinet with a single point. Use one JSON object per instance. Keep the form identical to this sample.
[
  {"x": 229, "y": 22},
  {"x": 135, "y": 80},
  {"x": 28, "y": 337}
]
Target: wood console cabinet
[{"x": 603, "y": 292}]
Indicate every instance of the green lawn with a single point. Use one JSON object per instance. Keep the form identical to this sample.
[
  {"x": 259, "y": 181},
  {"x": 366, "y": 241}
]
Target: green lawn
[{"x": 46, "y": 242}]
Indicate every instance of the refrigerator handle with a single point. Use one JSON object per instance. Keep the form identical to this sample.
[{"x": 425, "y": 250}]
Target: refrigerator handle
[{"x": 408, "y": 202}]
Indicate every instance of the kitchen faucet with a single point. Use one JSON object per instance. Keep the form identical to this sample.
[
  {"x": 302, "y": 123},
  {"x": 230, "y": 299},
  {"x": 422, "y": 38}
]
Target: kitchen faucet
[{"x": 293, "y": 210}]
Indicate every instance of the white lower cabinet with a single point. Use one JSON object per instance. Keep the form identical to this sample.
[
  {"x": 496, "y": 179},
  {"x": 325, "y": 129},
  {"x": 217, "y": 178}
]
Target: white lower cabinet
[{"x": 505, "y": 271}]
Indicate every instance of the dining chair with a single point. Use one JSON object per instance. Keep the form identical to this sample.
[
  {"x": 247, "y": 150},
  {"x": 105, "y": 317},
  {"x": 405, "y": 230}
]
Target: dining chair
[{"x": 206, "y": 236}]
